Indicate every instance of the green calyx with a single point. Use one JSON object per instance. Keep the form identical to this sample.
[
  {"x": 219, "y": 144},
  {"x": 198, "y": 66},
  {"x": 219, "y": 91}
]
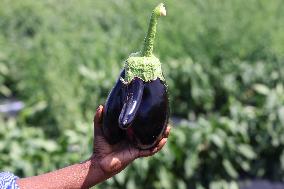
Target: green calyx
[
  {"x": 145, "y": 68},
  {"x": 144, "y": 64}
]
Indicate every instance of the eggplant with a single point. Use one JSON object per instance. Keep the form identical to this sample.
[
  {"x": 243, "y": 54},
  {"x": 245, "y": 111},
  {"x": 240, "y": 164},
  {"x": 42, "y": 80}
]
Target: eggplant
[
  {"x": 137, "y": 108},
  {"x": 112, "y": 110},
  {"x": 134, "y": 93}
]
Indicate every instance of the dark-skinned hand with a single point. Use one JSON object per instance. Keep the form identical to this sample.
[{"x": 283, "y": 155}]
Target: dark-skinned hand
[{"x": 114, "y": 158}]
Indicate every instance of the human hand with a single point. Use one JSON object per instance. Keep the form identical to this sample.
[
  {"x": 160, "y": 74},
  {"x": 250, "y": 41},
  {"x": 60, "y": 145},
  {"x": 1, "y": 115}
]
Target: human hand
[
  {"x": 106, "y": 161},
  {"x": 114, "y": 158}
]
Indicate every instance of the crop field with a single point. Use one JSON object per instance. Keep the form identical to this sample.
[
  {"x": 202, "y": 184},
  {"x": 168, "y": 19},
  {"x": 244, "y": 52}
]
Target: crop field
[{"x": 224, "y": 65}]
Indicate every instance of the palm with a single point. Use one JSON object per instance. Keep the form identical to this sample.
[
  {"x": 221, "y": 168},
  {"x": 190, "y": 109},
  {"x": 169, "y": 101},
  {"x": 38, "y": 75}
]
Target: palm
[{"x": 114, "y": 158}]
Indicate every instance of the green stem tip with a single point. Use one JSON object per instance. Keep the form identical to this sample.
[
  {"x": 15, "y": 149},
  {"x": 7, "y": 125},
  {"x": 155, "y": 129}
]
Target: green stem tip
[{"x": 148, "y": 45}]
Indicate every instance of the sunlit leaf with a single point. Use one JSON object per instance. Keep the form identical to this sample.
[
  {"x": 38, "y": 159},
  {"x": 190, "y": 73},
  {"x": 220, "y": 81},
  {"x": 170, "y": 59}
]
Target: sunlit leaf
[
  {"x": 230, "y": 169},
  {"x": 246, "y": 151}
]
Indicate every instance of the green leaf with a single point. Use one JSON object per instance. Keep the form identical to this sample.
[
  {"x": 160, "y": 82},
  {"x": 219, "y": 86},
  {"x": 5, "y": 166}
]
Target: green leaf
[
  {"x": 262, "y": 89},
  {"x": 120, "y": 177},
  {"x": 230, "y": 169},
  {"x": 50, "y": 146},
  {"x": 217, "y": 140},
  {"x": 281, "y": 115},
  {"x": 181, "y": 184},
  {"x": 191, "y": 162},
  {"x": 233, "y": 185},
  {"x": 245, "y": 165},
  {"x": 165, "y": 178},
  {"x": 282, "y": 160},
  {"x": 246, "y": 151},
  {"x": 131, "y": 184}
]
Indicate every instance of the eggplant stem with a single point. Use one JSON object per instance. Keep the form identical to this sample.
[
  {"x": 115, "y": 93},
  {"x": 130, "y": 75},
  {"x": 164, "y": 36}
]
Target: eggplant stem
[{"x": 149, "y": 40}]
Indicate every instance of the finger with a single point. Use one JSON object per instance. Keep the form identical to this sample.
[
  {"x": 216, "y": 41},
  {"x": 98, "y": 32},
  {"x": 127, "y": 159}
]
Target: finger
[
  {"x": 167, "y": 132},
  {"x": 145, "y": 153},
  {"x": 98, "y": 119},
  {"x": 98, "y": 115},
  {"x": 160, "y": 145}
]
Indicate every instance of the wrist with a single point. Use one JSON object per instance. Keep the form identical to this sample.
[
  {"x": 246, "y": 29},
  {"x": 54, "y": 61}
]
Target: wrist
[{"x": 95, "y": 173}]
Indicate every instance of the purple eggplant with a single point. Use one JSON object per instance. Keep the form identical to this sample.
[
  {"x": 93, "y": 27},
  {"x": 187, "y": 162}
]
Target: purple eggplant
[
  {"x": 152, "y": 116},
  {"x": 112, "y": 109},
  {"x": 137, "y": 108},
  {"x": 132, "y": 101}
]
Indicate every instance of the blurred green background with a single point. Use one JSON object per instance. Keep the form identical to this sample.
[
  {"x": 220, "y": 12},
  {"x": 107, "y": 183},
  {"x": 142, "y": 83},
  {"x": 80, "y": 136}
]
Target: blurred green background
[{"x": 223, "y": 60}]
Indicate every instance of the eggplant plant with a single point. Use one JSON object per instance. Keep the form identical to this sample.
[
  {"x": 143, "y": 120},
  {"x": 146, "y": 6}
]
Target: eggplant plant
[{"x": 137, "y": 108}]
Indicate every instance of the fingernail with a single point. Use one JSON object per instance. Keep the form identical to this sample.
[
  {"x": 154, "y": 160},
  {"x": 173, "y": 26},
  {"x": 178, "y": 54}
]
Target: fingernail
[
  {"x": 99, "y": 108},
  {"x": 155, "y": 150}
]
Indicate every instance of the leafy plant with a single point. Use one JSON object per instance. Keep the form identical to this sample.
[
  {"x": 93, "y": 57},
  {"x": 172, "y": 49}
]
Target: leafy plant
[{"x": 222, "y": 60}]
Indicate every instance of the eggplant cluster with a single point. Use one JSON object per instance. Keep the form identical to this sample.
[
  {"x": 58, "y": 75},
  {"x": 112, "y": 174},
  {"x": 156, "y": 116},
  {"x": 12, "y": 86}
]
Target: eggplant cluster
[{"x": 137, "y": 108}]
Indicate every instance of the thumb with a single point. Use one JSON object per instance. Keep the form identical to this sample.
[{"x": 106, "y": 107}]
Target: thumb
[{"x": 98, "y": 120}]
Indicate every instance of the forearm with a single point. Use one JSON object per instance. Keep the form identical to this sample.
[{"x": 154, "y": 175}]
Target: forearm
[{"x": 83, "y": 175}]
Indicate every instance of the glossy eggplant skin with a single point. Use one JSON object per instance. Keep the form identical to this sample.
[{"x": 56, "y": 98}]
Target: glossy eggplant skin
[
  {"x": 137, "y": 111},
  {"x": 132, "y": 100},
  {"x": 112, "y": 109},
  {"x": 152, "y": 116}
]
